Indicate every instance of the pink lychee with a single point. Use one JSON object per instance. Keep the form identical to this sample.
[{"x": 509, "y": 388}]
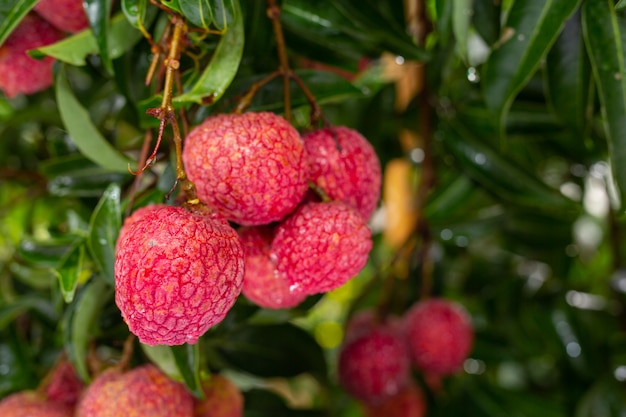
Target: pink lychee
[
  {"x": 321, "y": 246},
  {"x": 409, "y": 402},
  {"x": 177, "y": 273},
  {"x": 19, "y": 73},
  {"x": 262, "y": 283},
  {"x": 345, "y": 166},
  {"x": 66, "y": 15},
  {"x": 33, "y": 404},
  {"x": 222, "y": 399},
  {"x": 365, "y": 321},
  {"x": 64, "y": 385},
  {"x": 249, "y": 167},
  {"x": 440, "y": 335}
]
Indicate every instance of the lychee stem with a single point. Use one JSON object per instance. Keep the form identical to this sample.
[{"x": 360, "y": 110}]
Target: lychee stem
[{"x": 273, "y": 12}]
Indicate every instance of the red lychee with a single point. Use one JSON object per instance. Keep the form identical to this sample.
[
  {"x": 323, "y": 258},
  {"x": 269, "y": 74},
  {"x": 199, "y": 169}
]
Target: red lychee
[
  {"x": 374, "y": 366},
  {"x": 177, "y": 273},
  {"x": 222, "y": 399},
  {"x": 440, "y": 335},
  {"x": 33, "y": 404},
  {"x": 321, "y": 246},
  {"x": 409, "y": 402},
  {"x": 144, "y": 391},
  {"x": 364, "y": 321},
  {"x": 64, "y": 385},
  {"x": 262, "y": 283},
  {"x": 19, "y": 73},
  {"x": 345, "y": 166},
  {"x": 66, "y": 15},
  {"x": 249, "y": 167}
]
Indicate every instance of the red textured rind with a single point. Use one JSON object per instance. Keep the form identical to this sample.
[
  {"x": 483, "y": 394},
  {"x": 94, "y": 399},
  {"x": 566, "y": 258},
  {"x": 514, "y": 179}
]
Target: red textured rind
[
  {"x": 365, "y": 321},
  {"x": 249, "y": 167},
  {"x": 65, "y": 386},
  {"x": 409, "y": 402},
  {"x": 440, "y": 335},
  {"x": 32, "y": 404},
  {"x": 66, "y": 15},
  {"x": 222, "y": 399},
  {"x": 176, "y": 274},
  {"x": 321, "y": 246},
  {"x": 345, "y": 165},
  {"x": 375, "y": 366},
  {"x": 19, "y": 73},
  {"x": 262, "y": 284},
  {"x": 142, "y": 392}
]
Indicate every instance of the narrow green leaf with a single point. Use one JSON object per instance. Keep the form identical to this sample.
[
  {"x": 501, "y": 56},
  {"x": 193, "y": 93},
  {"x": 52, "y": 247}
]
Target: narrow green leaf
[
  {"x": 531, "y": 28},
  {"x": 70, "y": 271},
  {"x": 105, "y": 225},
  {"x": 486, "y": 19},
  {"x": 198, "y": 12},
  {"x": 82, "y": 131},
  {"x": 621, "y": 4},
  {"x": 9, "y": 312},
  {"x": 223, "y": 12},
  {"x": 223, "y": 67},
  {"x": 604, "y": 30},
  {"x": 462, "y": 12},
  {"x": 11, "y": 14},
  {"x": 180, "y": 363},
  {"x": 98, "y": 13},
  {"x": 135, "y": 11}
]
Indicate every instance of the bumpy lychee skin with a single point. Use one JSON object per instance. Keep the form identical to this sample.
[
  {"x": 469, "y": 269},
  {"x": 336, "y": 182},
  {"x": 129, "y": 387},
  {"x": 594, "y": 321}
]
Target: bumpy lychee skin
[
  {"x": 222, "y": 399},
  {"x": 249, "y": 167},
  {"x": 144, "y": 391},
  {"x": 345, "y": 166},
  {"x": 177, "y": 274},
  {"x": 64, "y": 386},
  {"x": 440, "y": 335},
  {"x": 19, "y": 73},
  {"x": 321, "y": 246},
  {"x": 374, "y": 366},
  {"x": 409, "y": 402},
  {"x": 32, "y": 404},
  {"x": 365, "y": 321},
  {"x": 262, "y": 284},
  {"x": 66, "y": 15}
]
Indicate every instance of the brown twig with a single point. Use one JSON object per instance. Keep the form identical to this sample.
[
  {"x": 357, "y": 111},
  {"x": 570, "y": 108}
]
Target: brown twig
[{"x": 273, "y": 12}]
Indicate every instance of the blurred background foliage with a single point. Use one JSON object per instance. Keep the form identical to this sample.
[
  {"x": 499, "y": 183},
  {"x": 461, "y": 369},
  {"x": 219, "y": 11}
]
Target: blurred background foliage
[{"x": 501, "y": 129}]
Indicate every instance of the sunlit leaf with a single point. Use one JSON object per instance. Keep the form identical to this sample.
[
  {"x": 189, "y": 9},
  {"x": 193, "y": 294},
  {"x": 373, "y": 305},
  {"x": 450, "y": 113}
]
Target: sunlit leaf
[{"x": 105, "y": 224}]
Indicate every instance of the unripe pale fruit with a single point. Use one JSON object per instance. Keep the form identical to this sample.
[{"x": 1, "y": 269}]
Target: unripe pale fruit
[
  {"x": 262, "y": 284},
  {"x": 66, "y": 15},
  {"x": 64, "y": 385},
  {"x": 345, "y": 166},
  {"x": 19, "y": 73},
  {"x": 409, "y": 402},
  {"x": 32, "y": 404},
  {"x": 222, "y": 399},
  {"x": 250, "y": 167},
  {"x": 177, "y": 274},
  {"x": 144, "y": 391},
  {"x": 440, "y": 335},
  {"x": 374, "y": 366},
  {"x": 321, "y": 246}
]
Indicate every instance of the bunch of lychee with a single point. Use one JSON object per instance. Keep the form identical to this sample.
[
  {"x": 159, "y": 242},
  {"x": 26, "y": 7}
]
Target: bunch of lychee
[
  {"x": 260, "y": 229},
  {"x": 375, "y": 361}
]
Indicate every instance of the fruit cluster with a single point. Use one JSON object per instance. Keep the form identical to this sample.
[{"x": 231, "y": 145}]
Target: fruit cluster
[
  {"x": 374, "y": 365},
  {"x": 260, "y": 230}
]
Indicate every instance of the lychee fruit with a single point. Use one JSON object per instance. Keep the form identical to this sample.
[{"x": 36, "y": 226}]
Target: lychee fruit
[
  {"x": 262, "y": 283},
  {"x": 345, "y": 166},
  {"x": 177, "y": 273},
  {"x": 144, "y": 391},
  {"x": 439, "y": 334},
  {"x": 64, "y": 386},
  {"x": 33, "y": 404},
  {"x": 409, "y": 402},
  {"x": 19, "y": 73},
  {"x": 66, "y": 15},
  {"x": 321, "y": 246},
  {"x": 364, "y": 321},
  {"x": 374, "y": 366},
  {"x": 222, "y": 399},
  {"x": 250, "y": 167}
]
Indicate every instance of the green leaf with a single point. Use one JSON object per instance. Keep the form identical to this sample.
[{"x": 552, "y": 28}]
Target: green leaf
[
  {"x": 80, "y": 322},
  {"x": 9, "y": 312},
  {"x": 11, "y": 14},
  {"x": 180, "y": 363},
  {"x": 486, "y": 20},
  {"x": 462, "y": 12},
  {"x": 605, "y": 37},
  {"x": 47, "y": 253},
  {"x": 208, "y": 13},
  {"x": 70, "y": 271},
  {"x": 83, "y": 132},
  {"x": 135, "y": 11},
  {"x": 531, "y": 28},
  {"x": 220, "y": 72},
  {"x": 621, "y": 4},
  {"x": 98, "y": 14},
  {"x": 105, "y": 225}
]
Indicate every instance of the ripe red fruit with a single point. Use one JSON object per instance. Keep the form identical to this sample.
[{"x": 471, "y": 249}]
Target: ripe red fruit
[
  {"x": 321, "y": 246},
  {"x": 222, "y": 399},
  {"x": 19, "y": 73},
  {"x": 365, "y": 321},
  {"x": 345, "y": 166},
  {"x": 374, "y": 366},
  {"x": 177, "y": 274},
  {"x": 64, "y": 385},
  {"x": 144, "y": 391},
  {"x": 262, "y": 284},
  {"x": 66, "y": 15},
  {"x": 32, "y": 404},
  {"x": 440, "y": 335},
  {"x": 249, "y": 167},
  {"x": 409, "y": 402}
]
